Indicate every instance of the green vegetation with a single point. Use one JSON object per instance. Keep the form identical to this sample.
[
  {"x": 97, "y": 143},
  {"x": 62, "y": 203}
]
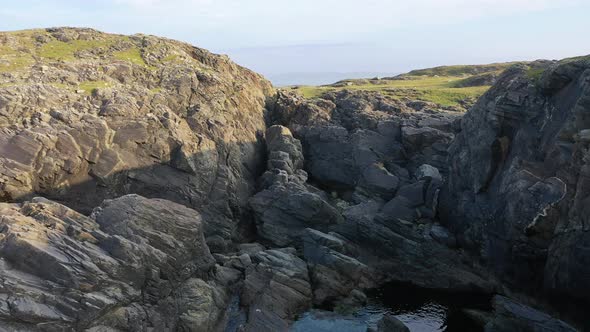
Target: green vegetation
[
  {"x": 132, "y": 55},
  {"x": 437, "y": 89},
  {"x": 453, "y": 96},
  {"x": 9, "y": 64},
  {"x": 12, "y": 60},
  {"x": 461, "y": 70},
  {"x": 576, "y": 58},
  {"x": 170, "y": 58},
  {"x": 90, "y": 86},
  {"x": 448, "y": 86},
  {"x": 58, "y": 50},
  {"x": 534, "y": 74}
]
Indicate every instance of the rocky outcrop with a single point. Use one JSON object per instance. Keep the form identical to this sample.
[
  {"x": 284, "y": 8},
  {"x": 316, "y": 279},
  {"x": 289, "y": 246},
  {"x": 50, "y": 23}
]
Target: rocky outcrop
[
  {"x": 366, "y": 215},
  {"x": 510, "y": 315},
  {"x": 518, "y": 178},
  {"x": 287, "y": 206},
  {"x": 276, "y": 289},
  {"x": 136, "y": 264},
  {"x": 97, "y": 116},
  {"x": 303, "y": 202},
  {"x": 391, "y": 324}
]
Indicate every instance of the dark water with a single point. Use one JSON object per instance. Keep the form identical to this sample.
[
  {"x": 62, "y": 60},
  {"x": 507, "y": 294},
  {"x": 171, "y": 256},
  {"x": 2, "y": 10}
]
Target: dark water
[{"x": 421, "y": 310}]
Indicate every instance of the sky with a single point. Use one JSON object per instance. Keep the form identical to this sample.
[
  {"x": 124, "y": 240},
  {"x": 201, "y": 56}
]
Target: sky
[{"x": 315, "y": 41}]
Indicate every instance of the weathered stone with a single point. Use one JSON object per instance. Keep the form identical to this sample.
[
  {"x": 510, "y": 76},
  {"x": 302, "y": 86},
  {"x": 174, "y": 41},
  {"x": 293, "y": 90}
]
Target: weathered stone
[
  {"x": 510, "y": 315},
  {"x": 517, "y": 190},
  {"x": 130, "y": 260},
  {"x": 391, "y": 324},
  {"x": 276, "y": 290},
  {"x": 186, "y": 131}
]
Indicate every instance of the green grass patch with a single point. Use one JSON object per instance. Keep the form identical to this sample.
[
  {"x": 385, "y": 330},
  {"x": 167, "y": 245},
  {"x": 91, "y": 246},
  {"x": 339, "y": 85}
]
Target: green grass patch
[
  {"x": 576, "y": 58},
  {"x": 132, "y": 55},
  {"x": 62, "y": 86},
  {"x": 13, "y": 60},
  {"x": 461, "y": 70},
  {"x": 452, "y": 96},
  {"x": 437, "y": 89},
  {"x": 58, "y": 50},
  {"x": 90, "y": 86},
  {"x": 534, "y": 74},
  {"x": 171, "y": 58}
]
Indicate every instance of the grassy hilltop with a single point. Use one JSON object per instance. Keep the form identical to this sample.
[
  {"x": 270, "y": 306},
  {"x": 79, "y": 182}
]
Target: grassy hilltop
[{"x": 448, "y": 86}]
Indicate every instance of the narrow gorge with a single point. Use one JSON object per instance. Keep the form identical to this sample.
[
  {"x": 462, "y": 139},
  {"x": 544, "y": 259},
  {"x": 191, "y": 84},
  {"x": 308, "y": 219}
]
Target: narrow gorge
[{"x": 149, "y": 185}]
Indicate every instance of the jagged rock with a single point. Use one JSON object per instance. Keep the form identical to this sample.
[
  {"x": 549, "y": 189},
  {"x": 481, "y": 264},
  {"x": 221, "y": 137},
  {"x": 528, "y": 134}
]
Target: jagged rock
[
  {"x": 184, "y": 129},
  {"x": 250, "y": 248},
  {"x": 442, "y": 235},
  {"x": 286, "y": 207},
  {"x": 510, "y": 315},
  {"x": 428, "y": 171},
  {"x": 518, "y": 188},
  {"x": 334, "y": 274},
  {"x": 398, "y": 251},
  {"x": 388, "y": 323},
  {"x": 136, "y": 264},
  {"x": 413, "y": 201},
  {"x": 276, "y": 290},
  {"x": 378, "y": 180},
  {"x": 280, "y": 140},
  {"x": 283, "y": 212}
]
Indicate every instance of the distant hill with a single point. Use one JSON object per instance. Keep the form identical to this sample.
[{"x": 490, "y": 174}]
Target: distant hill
[
  {"x": 448, "y": 86},
  {"x": 321, "y": 78},
  {"x": 460, "y": 70}
]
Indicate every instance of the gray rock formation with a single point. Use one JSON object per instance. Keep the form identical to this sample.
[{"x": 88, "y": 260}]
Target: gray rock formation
[
  {"x": 286, "y": 207},
  {"x": 510, "y": 315},
  {"x": 391, "y": 324},
  {"x": 334, "y": 273},
  {"x": 383, "y": 196},
  {"x": 136, "y": 264},
  {"x": 276, "y": 289},
  {"x": 342, "y": 193},
  {"x": 518, "y": 187},
  {"x": 99, "y": 116}
]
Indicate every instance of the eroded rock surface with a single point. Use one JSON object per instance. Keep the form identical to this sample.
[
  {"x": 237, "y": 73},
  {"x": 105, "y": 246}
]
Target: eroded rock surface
[
  {"x": 98, "y": 116},
  {"x": 133, "y": 265},
  {"x": 303, "y": 202},
  {"x": 518, "y": 179},
  {"x": 367, "y": 212}
]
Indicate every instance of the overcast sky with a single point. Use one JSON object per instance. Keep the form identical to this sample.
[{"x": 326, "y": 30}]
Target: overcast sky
[{"x": 279, "y": 37}]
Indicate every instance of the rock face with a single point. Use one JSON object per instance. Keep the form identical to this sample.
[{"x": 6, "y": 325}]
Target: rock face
[
  {"x": 510, "y": 315},
  {"x": 276, "y": 290},
  {"x": 367, "y": 212},
  {"x": 286, "y": 207},
  {"x": 391, "y": 324},
  {"x": 133, "y": 265},
  {"x": 518, "y": 182},
  {"x": 257, "y": 205},
  {"x": 97, "y": 116}
]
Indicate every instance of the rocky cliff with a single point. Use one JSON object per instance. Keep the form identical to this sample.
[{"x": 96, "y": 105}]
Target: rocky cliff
[
  {"x": 148, "y": 185},
  {"x": 518, "y": 185},
  {"x": 87, "y": 116}
]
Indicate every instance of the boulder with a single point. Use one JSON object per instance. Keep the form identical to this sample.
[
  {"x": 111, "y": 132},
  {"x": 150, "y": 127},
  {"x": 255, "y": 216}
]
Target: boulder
[
  {"x": 510, "y": 315},
  {"x": 120, "y": 269},
  {"x": 276, "y": 289},
  {"x": 283, "y": 213},
  {"x": 426, "y": 170},
  {"x": 334, "y": 273},
  {"x": 388, "y": 323}
]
